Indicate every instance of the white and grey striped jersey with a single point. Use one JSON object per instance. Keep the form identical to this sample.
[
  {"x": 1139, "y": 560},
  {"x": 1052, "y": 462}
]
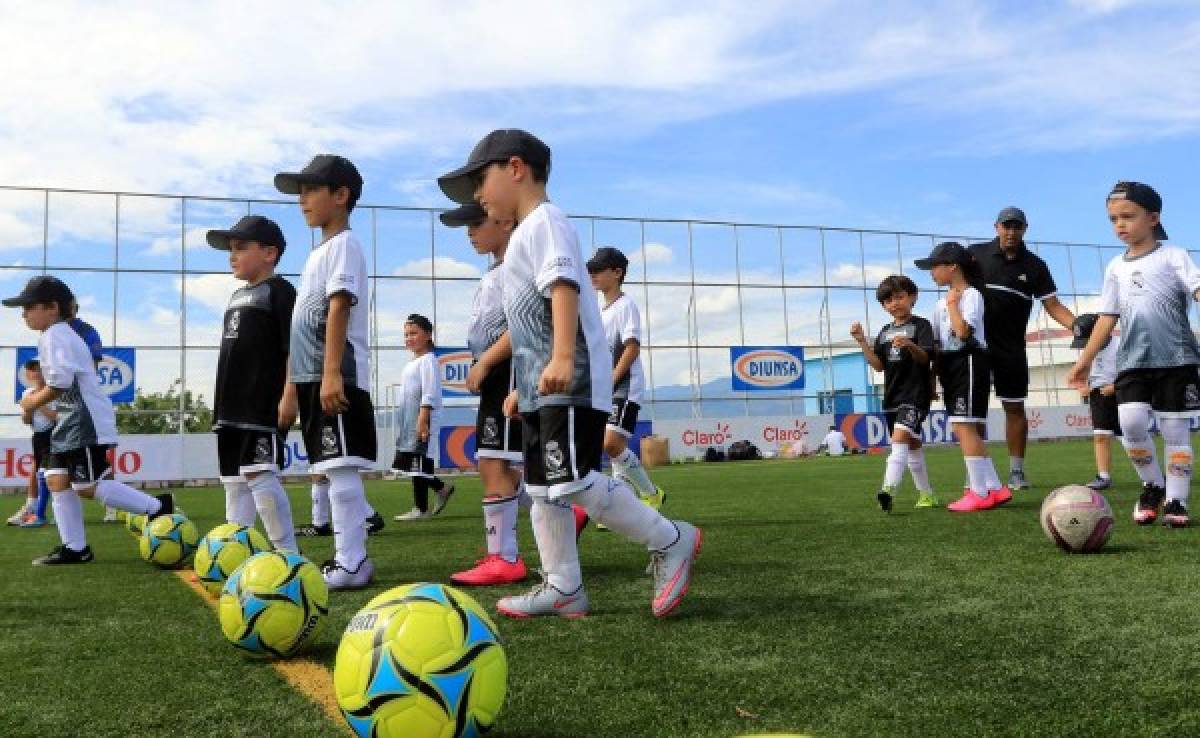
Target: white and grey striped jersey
[
  {"x": 85, "y": 414},
  {"x": 1151, "y": 294},
  {"x": 420, "y": 385},
  {"x": 622, "y": 322},
  {"x": 544, "y": 251},
  {"x": 334, "y": 267},
  {"x": 487, "y": 313}
]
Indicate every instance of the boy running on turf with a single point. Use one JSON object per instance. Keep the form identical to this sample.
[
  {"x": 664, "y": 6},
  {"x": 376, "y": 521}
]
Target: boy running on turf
[
  {"x": 564, "y": 383},
  {"x": 85, "y": 432},
  {"x": 328, "y": 360},
  {"x": 497, "y": 437},
  {"x": 902, "y": 351},
  {"x": 1101, "y": 397},
  {"x": 623, "y": 332},
  {"x": 1149, "y": 288},
  {"x": 419, "y": 421},
  {"x": 33, "y": 513},
  {"x": 252, "y": 386},
  {"x": 962, "y": 369}
]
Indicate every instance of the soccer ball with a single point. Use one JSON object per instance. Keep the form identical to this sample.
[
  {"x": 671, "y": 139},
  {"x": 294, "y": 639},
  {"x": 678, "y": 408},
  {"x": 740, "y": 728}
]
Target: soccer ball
[
  {"x": 1077, "y": 519},
  {"x": 421, "y": 660},
  {"x": 223, "y": 550},
  {"x": 135, "y": 524},
  {"x": 273, "y": 604},
  {"x": 168, "y": 540}
]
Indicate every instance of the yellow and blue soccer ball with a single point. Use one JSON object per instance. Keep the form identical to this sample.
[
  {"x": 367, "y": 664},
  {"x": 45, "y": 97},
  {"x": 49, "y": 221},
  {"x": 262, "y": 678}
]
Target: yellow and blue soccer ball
[
  {"x": 135, "y": 524},
  {"x": 222, "y": 551},
  {"x": 274, "y": 604},
  {"x": 421, "y": 660},
  {"x": 169, "y": 540}
]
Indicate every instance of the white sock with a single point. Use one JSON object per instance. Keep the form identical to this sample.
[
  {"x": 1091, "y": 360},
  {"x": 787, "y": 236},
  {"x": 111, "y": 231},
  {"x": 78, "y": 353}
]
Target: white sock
[
  {"x": 554, "y": 531},
  {"x": 920, "y": 473},
  {"x": 68, "y": 516},
  {"x": 123, "y": 497},
  {"x": 1103, "y": 475},
  {"x": 612, "y": 503},
  {"x": 631, "y": 468},
  {"x": 348, "y": 503},
  {"x": 1016, "y": 463},
  {"x": 993, "y": 478},
  {"x": 977, "y": 472},
  {"x": 896, "y": 462},
  {"x": 273, "y": 505},
  {"x": 239, "y": 504},
  {"x": 500, "y": 521},
  {"x": 1177, "y": 447},
  {"x": 1135, "y": 437},
  {"x": 321, "y": 514}
]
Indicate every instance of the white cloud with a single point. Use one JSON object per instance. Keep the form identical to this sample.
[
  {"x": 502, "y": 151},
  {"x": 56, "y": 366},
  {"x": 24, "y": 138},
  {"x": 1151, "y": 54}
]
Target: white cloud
[
  {"x": 442, "y": 266},
  {"x": 857, "y": 275},
  {"x": 652, "y": 253},
  {"x": 210, "y": 290}
]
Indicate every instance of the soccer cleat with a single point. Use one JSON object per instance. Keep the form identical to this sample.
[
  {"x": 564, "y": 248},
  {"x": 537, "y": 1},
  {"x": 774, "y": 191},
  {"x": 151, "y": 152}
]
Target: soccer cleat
[
  {"x": 1017, "y": 480},
  {"x": 441, "y": 497},
  {"x": 1100, "y": 483},
  {"x": 1002, "y": 496},
  {"x": 110, "y": 515},
  {"x": 167, "y": 507},
  {"x": 884, "y": 496},
  {"x": 1175, "y": 515},
  {"x": 545, "y": 599},
  {"x": 971, "y": 502},
  {"x": 339, "y": 577},
  {"x": 32, "y": 521},
  {"x": 317, "y": 531},
  {"x": 1145, "y": 511},
  {"x": 413, "y": 514},
  {"x": 491, "y": 570},
  {"x": 656, "y": 500},
  {"x": 581, "y": 520},
  {"x": 374, "y": 524},
  {"x": 64, "y": 555},
  {"x": 927, "y": 500},
  {"x": 672, "y": 569},
  {"x": 19, "y": 515}
]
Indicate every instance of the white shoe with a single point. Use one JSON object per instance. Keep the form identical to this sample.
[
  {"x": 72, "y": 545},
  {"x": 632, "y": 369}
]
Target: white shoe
[
  {"x": 545, "y": 599},
  {"x": 672, "y": 569},
  {"x": 339, "y": 577},
  {"x": 110, "y": 515},
  {"x": 443, "y": 496},
  {"x": 413, "y": 514},
  {"x": 19, "y": 516}
]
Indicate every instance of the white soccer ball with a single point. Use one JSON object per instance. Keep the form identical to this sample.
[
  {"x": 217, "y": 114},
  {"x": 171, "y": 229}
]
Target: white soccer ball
[{"x": 1077, "y": 519}]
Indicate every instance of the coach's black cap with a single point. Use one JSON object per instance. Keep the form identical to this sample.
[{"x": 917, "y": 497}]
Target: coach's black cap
[
  {"x": 325, "y": 169},
  {"x": 499, "y": 145},
  {"x": 946, "y": 252},
  {"x": 607, "y": 258},
  {"x": 1012, "y": 215},
  {"x": 464, "y": 215},
  {"x": 1081, "y": 329},
  {"x": 1141, "y": 194},
  {"x": 42, "y": 289},
  {"x": 249, "y": 228}
]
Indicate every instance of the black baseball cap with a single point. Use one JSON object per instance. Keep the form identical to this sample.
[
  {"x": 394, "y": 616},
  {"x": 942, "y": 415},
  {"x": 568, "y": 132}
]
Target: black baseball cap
[
  {"x": 1141, "y": 194},
  {"x": 1081, "y": 329},
  {"x": 464, "y": 215},
  {"x": 42, "y": 289},
  {"x": 607, "y": 258},
  {"x": 324, "y": 169},
  {"x": 249, "y": 228},
  {"x": 499, "y": 145},
  {"x": 1011, "y": 215},
  {"x": 946, "y": 252}
]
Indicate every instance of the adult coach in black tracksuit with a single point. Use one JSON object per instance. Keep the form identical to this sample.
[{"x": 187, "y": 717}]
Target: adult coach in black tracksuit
[{"x": 1015, "y": 278}]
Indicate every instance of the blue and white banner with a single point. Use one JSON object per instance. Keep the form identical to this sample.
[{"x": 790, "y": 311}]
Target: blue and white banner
[
  {"x": 454, "y": 363},
  {"x": 759, "y": 368},
  {"x": 117, "y": 372}
]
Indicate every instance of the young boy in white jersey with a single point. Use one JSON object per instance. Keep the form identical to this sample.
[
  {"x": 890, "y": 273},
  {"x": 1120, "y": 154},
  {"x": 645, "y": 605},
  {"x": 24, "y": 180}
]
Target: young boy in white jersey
[
  {"x": 903, "y": 351},
  {"x": 623, "y": 332},
  {"x": 962, "y": 369},
  {"x": 1149, "y": 288},
  {"x": 1101, "y": 397},
  {"x": 329, "y": 362},
  {"x": 419, "y": 420},
  {"x": 85, "y": 431},
  {"x": 564, "y": 383},
  {"x": 251, "y": 383},
  {"x": 33, "y": 513}
]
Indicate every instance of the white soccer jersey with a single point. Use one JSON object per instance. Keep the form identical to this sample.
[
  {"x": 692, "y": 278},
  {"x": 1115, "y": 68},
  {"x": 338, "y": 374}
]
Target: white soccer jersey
[
  {"x": 420, "y": 386},
  {"x": 40, "y": 421},
  {"x": 1104, "y": 366},
  {"x": 336, "y": 266},
  {"x": 623, "y": 322},
  {"x": 971, "y": 307},
  {"x": 487, "y": 313},
  {"x": 544, "y": 250},
  {"x": 85, "y": 414},
  {"x": 1151, "y": 294}
]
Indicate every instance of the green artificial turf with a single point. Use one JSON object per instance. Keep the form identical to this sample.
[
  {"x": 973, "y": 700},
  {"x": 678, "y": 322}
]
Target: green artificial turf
[{"x": 811, "y": 612}]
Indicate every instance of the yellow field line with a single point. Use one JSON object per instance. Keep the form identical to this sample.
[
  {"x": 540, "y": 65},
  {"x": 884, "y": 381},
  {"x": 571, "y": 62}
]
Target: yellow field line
[{"x": 308, "y": 677}]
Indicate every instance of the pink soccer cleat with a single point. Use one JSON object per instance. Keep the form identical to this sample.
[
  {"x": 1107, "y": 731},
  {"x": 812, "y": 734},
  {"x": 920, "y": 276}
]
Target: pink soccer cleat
[
  {"x": 491, "y": 570},
  {"x": 1001, "y": 496},
  {"x": 581, "y": 520},
  {"x": 971, "y": 502}
]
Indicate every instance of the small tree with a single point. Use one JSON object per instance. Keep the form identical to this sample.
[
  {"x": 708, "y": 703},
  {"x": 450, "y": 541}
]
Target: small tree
[{"x": 158, "y": 412}]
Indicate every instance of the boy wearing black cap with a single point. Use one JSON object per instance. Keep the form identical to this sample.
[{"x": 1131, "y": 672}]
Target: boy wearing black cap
[
  {"x": 328, "y": 359},
  {"x": 1149, "y": 288},
  {"x": 85, "y": 431},
  {"x": 1101, "y": 398},
  {"x": 252, "y": 387},
  {"x": 564, "y": 383},
  {"x": 623, "y": 331}
]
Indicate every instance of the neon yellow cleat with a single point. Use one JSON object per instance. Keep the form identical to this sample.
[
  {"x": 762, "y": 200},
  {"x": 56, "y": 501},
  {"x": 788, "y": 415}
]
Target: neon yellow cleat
[{"x": 929, "y": 500}]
